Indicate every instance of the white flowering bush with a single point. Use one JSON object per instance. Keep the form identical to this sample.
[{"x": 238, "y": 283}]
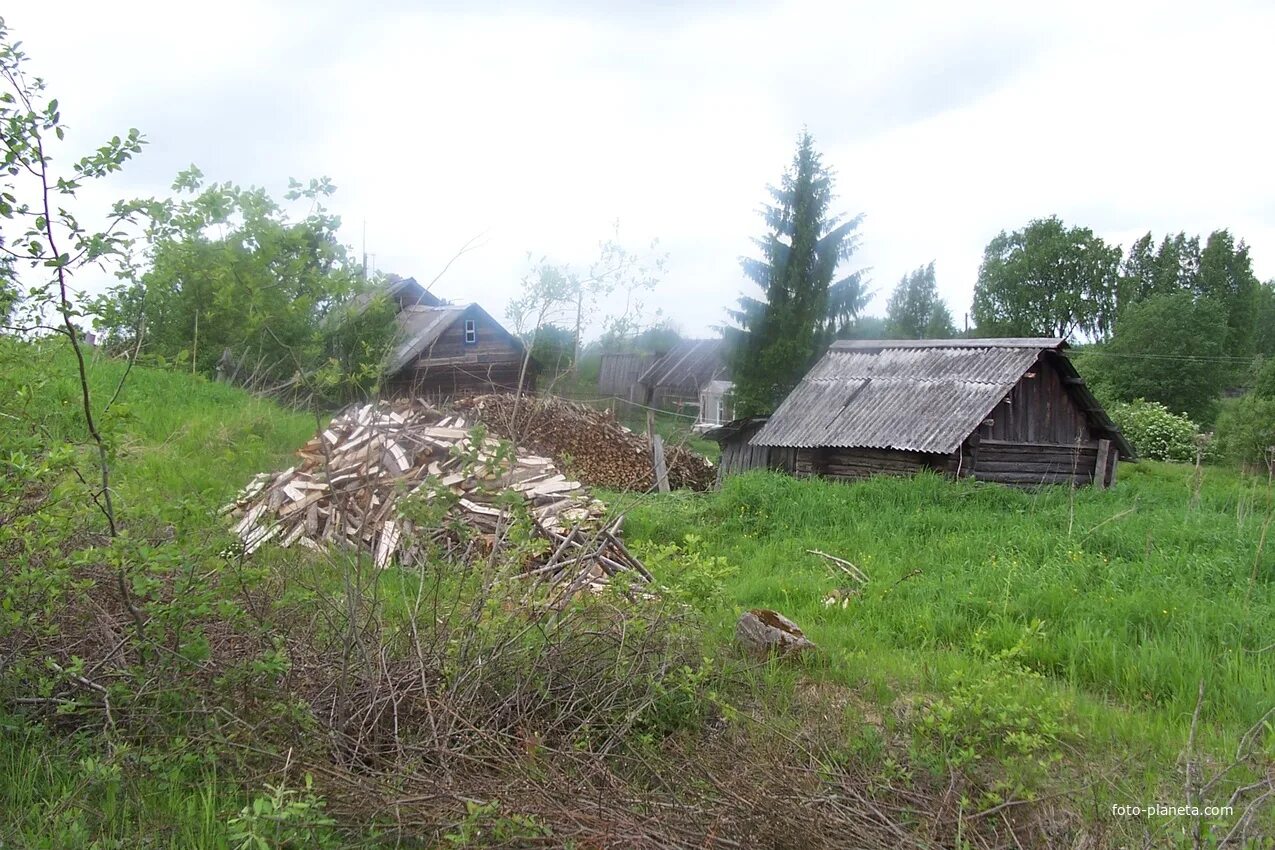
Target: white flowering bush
[{"x": 1156, "y": 432}]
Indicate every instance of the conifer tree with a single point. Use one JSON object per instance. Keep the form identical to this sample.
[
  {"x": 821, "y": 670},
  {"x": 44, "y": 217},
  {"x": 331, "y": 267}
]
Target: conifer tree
[{"x": 805, "y": 304}]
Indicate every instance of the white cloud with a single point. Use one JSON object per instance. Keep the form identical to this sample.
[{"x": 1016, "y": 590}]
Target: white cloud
[{"x": 541, "y": 124}]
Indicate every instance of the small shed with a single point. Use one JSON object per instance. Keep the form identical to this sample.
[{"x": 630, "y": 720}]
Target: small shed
[
  {"x": 675, "y": 380},
  {"x": 450, "y": 349},
  {"x": 1013, "y": 411}
]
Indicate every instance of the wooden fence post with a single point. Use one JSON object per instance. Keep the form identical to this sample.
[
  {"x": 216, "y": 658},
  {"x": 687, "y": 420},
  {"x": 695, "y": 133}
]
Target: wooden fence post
[
  {"x": 661, "y": 470},
  {"x": 1100, "y": 466}
]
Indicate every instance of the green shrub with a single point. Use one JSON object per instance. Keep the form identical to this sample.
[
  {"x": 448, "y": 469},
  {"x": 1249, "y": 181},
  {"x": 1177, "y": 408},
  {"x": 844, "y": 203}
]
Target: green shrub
[
  {"x": 1264, "y": 379},
  {"x": 1156, "y": 433},
  {"x": 1247, "y": 428}
]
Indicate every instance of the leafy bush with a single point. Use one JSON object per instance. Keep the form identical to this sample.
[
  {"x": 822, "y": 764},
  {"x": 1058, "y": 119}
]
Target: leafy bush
[
  {"x": 1246, "y": 429},
  {"x": 1264, "y": 379},
  {"x": 1156, "y": 433},
  {"x": 999, "y": 712}
]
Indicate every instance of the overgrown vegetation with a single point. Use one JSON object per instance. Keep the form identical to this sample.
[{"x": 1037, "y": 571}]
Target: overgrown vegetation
[
  {"x": 1050, "y": 627},
  {"x": 1082, "y": 628}
]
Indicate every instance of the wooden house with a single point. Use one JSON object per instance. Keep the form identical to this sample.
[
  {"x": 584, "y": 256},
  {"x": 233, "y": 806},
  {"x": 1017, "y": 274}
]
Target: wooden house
[
  {"x": 619, "y": 372},
  {"x": 1012, "y": 411},
  {"x": 675, "y": 380},
  {"x": 453, "y": 349}
]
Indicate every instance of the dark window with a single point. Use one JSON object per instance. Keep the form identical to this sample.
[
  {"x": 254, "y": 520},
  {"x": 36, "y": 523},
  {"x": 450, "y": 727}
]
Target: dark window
[{"x": 471, "y": 332}]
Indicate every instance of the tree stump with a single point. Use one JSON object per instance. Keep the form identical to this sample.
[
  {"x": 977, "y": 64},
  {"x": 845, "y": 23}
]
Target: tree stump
[{"x": 763, "y": 633}]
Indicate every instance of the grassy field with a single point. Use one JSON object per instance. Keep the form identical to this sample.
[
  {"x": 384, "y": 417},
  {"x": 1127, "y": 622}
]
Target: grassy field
[
  {"x": 1047, "y": 643},
  {"x": 1106, "y": 608},
  {"x": 1128, "y": 597}
]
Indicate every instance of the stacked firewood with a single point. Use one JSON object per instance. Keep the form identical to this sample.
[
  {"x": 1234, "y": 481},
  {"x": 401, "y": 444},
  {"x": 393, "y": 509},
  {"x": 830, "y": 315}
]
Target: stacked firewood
[
  {"x": 349, "y": 487},
  {"x": 588, "y": 441}
]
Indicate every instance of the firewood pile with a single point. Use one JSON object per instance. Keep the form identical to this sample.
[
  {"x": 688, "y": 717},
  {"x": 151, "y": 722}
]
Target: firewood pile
[
  {"x": 349, "y": 485},
  {"x": 591, "y": 442}
]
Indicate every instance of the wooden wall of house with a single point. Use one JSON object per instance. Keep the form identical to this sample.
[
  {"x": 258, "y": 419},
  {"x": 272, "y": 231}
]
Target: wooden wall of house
[
  {"x": 676, "y": 399},
  {"x": 999, "y": 461},
  {"x": 1034, "y": 464},
  {"x": 445, "y": 380},
  {"x": 1039, "y": 410}
]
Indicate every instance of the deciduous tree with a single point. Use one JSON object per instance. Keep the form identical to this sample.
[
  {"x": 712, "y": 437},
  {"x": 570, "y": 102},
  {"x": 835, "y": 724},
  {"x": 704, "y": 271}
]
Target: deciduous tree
[
  {"x": 231, "y": 270},
  {"x": 1226, "y": 277},
  {"x": 1168, "y": 348},
  {"x": 915, "y": 310},
  {"x": 1047, "y": 280}
]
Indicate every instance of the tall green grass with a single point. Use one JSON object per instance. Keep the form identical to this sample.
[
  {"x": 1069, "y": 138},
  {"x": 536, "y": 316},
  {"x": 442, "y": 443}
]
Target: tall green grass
[
  {"x": 60, "y": 793},
  {"x": 177, "y": 440},
  {"x": 1130, "y": 597}
]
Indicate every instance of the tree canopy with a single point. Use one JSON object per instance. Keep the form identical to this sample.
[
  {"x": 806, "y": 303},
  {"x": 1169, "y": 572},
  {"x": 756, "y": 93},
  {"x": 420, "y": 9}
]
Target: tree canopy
[
  {"x": 1168, "y": 348},
  {"x": 915, "y": 310},
  {"x": 1047, "y": 280},
  {"x": 806, "y": 302},
  {"x": 229, "y": 271}
]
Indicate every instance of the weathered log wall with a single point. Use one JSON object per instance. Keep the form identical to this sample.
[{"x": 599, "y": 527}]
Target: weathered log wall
[
  {"x": 1039, "y": 410},
  {"x": 738, "y": 456},
  {"x": 1034, "y": 464},
  {"x": 854, "y": 464}
]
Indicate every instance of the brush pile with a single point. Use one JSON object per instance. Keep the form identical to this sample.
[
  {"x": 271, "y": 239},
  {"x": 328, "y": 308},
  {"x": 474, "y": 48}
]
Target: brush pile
[
  {"x": 350, "y": 484},
  {"x": 596, "y": 447}
]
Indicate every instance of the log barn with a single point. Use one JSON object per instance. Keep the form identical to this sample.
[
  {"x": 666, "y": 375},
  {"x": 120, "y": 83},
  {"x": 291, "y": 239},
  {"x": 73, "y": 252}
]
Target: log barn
[
  {"x": 1012, "y": 411},
  {"x": 738, "y": 453}
]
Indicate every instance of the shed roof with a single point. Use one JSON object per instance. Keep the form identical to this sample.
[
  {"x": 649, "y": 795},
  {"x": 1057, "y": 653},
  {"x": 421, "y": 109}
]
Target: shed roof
[
  {"x": 408, "y": 290},
  {"x": 915, "y": 395},
  {"x": 729, "y": 430},
  {"x": 689, "y": 365}
]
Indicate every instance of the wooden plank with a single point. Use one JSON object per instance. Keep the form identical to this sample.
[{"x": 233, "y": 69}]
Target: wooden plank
[
  {"x": 1100, "y": 466},
  {"x": 661, "y": 470}
]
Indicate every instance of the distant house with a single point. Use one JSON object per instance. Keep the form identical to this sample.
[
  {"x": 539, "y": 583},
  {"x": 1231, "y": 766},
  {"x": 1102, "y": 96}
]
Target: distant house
[
  {"x": 677, "y": 380},
  {"x": 619, "y": 373},
  {"x": 715, "y": 405},
  {"x": 1013, "y": 411},
  {"x": 446, "y": 349}
]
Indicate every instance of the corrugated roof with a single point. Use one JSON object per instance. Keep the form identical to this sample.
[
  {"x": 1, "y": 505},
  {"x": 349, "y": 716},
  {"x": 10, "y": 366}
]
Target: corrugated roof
[
  {"x": 418, "y": 328},
  {"x": 690, "y": 364},
  {"x": 914, "y": 395},
  {"x": 1037, "y": 343}
]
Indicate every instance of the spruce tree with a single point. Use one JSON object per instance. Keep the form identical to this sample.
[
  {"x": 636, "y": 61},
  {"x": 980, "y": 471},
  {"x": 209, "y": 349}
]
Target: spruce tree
[{"x": 804, "y": 304}]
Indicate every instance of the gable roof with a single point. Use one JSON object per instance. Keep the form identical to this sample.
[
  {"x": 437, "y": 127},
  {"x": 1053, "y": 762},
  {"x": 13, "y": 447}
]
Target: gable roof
[
  {"x": 408, "y": 291},
  {"x": 916, "y": 395},
  {"x": 689, "y": 365},
  {"x": 419, "y": 327}
]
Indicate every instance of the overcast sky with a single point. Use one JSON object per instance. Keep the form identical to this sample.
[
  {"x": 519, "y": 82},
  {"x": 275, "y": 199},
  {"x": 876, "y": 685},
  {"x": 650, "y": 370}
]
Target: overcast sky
[{"x": 541, "y": 124}]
